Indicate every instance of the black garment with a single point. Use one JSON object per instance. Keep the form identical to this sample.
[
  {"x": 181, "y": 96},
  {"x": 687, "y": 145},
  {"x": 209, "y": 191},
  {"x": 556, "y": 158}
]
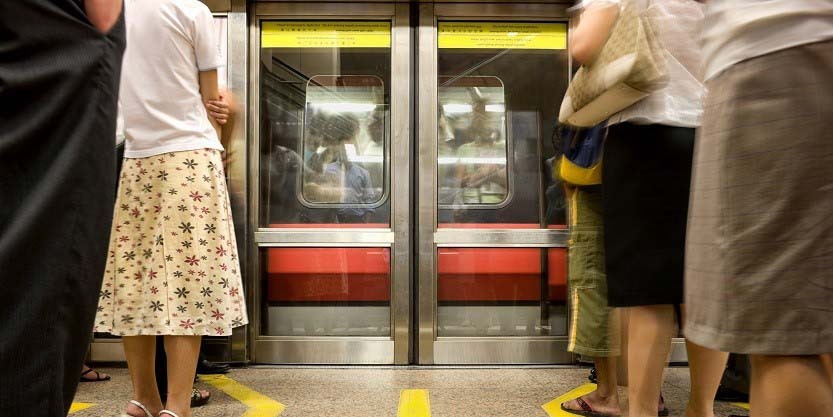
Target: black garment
[
  {"x": 58, "y": 91},
  {"x": 161, "y": 366},
  {"x": 734, "y": 385},
  {"x": 646, "y": 178}
]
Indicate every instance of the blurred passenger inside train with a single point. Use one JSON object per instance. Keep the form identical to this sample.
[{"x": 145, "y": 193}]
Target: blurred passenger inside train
[
  {"x": 333, "y": 177},
  {"x": 477, "y": 141},
  {"x": 646, "y": 178},
  {"x": 172, "y": 224},
  {"x": 482, "y": 168},
  {"x": 759, "y": 270}
]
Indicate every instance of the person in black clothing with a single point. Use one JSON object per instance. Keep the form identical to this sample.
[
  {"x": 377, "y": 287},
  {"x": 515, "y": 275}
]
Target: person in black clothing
[
  {"x": 60, "y": 62},
  {"x": 204, "y": 366}
]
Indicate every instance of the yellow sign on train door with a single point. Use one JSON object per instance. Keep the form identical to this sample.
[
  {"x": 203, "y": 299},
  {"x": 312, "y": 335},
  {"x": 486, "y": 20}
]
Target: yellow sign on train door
[
  {"x": 502, "y": 35},
  {"x": 325, "y": 34}
]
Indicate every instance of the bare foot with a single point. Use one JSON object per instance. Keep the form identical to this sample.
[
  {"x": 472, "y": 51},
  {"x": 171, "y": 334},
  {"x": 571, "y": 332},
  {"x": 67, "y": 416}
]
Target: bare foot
[
  {"x": 597, "y": 403},
  {"x": 134, "y": 410}
]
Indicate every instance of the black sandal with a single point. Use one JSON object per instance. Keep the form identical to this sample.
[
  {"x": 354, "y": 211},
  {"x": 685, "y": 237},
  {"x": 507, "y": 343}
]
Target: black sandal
[{"x": 98, "y": 377}]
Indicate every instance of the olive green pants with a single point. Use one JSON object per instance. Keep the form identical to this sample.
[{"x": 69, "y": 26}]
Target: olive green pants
[{"x": 594, "y": 327}]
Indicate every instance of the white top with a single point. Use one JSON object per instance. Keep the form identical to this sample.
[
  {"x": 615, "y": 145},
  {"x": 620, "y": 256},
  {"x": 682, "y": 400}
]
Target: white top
[
  {"x": 678, "y": 24},
  {"x": 168, "y": 43},
  {"x": 737, "y": 30}
]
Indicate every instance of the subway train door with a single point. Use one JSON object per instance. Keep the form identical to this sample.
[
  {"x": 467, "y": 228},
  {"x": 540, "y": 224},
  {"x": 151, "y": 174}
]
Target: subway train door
[
  {"x": 330, "y": 183},
  {"x": 491, "y": 220}
]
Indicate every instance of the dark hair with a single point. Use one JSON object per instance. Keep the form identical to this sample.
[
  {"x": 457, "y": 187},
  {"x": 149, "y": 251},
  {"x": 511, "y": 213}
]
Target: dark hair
[{"x": 335, "y": 128}]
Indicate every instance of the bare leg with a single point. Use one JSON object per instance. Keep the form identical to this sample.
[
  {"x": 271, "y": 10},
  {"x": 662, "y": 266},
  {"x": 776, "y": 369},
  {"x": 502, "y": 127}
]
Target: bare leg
[
  {"x": 650, "y": 331},
  {"x": 183, "y": 352},
  {"x": 706, "y": 366},
  {"x": 140, "y": 352},
  {"x": 605, "y": 399},
  {"x": 828, "y": 365},
  {"x": 790, "y": 386}
]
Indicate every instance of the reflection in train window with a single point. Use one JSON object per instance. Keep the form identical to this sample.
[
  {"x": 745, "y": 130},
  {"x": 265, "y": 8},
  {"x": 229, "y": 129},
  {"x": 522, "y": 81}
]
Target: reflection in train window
[
  {"x": 344, "y": 145},
  {"x": 472, "y": 147},
  {"x": 497, "y": 112},
  {"x": 324, "y": 132}
]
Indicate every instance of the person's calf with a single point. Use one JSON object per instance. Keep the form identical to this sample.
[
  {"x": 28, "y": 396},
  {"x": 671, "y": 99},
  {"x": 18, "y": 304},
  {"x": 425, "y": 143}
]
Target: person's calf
[
  {"x": 827, "y": 360},
  {"x": 790, "y": 386},
  {"x": 691, "y": 412}
]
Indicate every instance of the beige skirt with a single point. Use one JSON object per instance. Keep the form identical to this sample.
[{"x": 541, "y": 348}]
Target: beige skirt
[
  {"x": 173, "y": 267},
  {"x": 759, "y": 261}
]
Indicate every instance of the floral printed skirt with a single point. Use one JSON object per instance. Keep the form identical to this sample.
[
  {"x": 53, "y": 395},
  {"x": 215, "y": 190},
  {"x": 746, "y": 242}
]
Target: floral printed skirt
[{"x": 172, "y": 267}]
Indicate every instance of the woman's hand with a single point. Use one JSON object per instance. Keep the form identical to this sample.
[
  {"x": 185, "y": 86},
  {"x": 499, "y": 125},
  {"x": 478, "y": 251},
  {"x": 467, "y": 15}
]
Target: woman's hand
[{"x": 219, "y": 110}]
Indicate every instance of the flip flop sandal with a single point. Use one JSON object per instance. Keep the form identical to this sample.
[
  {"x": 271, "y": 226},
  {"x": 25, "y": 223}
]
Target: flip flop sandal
[
  {"x": 140, "y": 405},
  {"x": 98, "y": 377},
  {"x": 586, "y": 410},
  {"x": 170, "y": 413}
]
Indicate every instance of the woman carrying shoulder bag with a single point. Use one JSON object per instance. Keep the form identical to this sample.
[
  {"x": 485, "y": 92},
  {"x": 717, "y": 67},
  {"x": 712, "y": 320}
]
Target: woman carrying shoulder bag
[{"x": 646, "y": 176}]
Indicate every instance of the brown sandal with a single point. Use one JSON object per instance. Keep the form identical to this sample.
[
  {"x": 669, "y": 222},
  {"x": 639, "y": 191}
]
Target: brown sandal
[{"x": 586, "y": 409}]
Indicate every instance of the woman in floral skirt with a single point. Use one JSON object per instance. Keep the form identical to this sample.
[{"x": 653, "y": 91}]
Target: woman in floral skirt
[{"x": 173, "y": 268}]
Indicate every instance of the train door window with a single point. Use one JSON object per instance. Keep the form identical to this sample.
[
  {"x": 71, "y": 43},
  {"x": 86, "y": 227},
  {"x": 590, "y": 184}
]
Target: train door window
[
  {"x": 500, "y": 85},
  {"x": 472, "y": 149},
  {"x": 325, "y": 124},
  {"x": 344, "y": 144}
]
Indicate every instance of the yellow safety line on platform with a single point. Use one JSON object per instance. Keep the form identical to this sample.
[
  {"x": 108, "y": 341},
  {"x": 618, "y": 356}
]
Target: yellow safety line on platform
[
  {"x": 76, "y": 407},
  {"x": 414, "y": 403},
  {"x": 259, "y": 404},
  {"x": 744, "y": 406},
  {"x": 553, "y": 408}
]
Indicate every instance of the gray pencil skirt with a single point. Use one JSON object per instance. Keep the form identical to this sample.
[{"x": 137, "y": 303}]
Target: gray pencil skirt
[{"x": 759, "y": 258}]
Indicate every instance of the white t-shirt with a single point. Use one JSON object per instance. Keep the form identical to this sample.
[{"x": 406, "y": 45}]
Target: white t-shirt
[
  {"x": 168, "y": 43},
  {"x": 737, "y": 30},
  {"x": 680, "y": 103}
]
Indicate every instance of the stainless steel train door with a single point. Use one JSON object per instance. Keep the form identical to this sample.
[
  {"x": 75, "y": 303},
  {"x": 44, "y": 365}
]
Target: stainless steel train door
[
  {"x": 329, "y": 172},
  {"x": 492, "y": 221}
]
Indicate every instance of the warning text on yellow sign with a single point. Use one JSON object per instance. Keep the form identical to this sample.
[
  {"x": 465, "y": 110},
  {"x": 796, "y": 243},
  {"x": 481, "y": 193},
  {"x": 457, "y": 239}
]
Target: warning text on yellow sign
[
  {"x": 502, "y": 35},
  {"x": 298, "y": 34}
]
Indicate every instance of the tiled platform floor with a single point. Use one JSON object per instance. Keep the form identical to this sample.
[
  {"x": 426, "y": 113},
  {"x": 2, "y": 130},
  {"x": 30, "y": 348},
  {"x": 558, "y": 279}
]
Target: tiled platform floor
[{"x": 370, "y": 392}]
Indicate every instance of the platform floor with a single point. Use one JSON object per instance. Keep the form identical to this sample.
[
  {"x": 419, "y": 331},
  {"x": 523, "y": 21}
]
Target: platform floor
[{"x": 370, "y": 392}]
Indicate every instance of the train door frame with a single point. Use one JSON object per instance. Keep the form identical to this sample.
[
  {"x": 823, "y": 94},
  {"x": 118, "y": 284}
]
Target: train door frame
[
  {"x": 469, "y": 350},
  {"x": 394, "y": 349}
]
